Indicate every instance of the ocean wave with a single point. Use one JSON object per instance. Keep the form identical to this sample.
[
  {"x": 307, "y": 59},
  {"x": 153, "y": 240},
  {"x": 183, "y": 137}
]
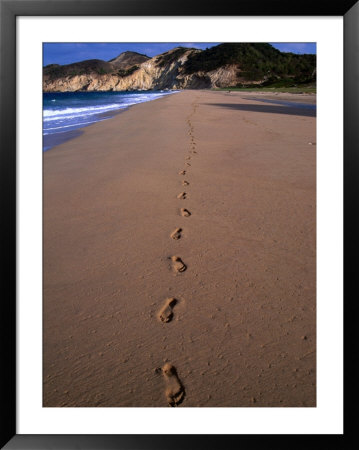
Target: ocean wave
[
  {"x": 77, "y": 124},
  {"x": 73, "y": 113},
  {"x": 53, "y": 114}
]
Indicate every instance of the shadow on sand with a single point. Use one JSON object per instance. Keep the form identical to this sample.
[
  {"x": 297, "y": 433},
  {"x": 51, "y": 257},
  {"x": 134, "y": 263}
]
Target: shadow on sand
[{"x": 307, "y": 110}]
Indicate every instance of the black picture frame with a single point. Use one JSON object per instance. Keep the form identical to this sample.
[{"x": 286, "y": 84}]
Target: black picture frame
[{"x": 9, "y": 10}]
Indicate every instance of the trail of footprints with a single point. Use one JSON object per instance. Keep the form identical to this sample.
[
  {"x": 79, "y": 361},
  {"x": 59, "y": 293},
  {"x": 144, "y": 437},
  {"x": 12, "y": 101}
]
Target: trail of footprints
[{"x": 174, "y": 389}]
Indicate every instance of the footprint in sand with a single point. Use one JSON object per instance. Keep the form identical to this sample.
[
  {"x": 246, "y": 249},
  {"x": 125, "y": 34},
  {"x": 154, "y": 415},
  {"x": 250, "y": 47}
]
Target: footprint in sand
[
  {"x": 176, "y": 234},
  {"x": 178, "y": 264},
  {"x": 188, "y": 164},
  {"x": 182, "y": 195},
  {"x": 174, "y": 389},
  {"x": 185, "y": 183},
  {"x": 183, "y": 172},
  {"x": 185, "y": 212},
  {"x": 188, "y": 157},
  {"x": 166, "y": 313}
]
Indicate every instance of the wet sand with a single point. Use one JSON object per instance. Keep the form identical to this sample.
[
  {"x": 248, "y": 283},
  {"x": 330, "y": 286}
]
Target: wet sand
[{"x": 180, "y": 255}]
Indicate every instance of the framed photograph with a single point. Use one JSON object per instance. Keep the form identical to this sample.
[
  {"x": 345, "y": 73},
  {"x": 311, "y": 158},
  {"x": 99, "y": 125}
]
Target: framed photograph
[{"x": 173, "y": 188}]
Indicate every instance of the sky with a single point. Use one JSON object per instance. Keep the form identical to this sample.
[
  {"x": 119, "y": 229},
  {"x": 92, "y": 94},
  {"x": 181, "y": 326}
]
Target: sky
[{"x": 67, "y": 53}]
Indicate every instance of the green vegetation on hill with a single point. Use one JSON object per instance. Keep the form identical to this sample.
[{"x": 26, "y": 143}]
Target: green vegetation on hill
[
  {"x": 255, "y": 62},
  {"x": 90, "y": 66},
  {"x": 170, "y": 57},
  {"x": 126, "y": 73}
]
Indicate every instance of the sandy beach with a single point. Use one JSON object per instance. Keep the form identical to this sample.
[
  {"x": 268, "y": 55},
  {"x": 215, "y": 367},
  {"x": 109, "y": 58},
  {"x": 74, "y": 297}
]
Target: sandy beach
[{"x": 180, "y": 256}]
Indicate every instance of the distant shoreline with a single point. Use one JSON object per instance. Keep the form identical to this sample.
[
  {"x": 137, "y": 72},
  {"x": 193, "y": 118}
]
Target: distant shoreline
[
  {"x": 296, "y": 90},
  {"x": 50, "y": 141}
]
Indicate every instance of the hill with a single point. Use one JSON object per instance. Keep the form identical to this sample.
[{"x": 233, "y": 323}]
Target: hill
[
  {"x": 126, "y": 60},
  {"x": 225, "y": 65}
]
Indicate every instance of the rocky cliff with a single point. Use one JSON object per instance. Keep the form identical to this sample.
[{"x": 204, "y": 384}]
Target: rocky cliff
[{"x": 225, "y": 65}]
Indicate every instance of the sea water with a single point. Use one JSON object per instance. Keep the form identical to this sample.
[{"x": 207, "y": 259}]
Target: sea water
[{"x": 65, "y": 113}]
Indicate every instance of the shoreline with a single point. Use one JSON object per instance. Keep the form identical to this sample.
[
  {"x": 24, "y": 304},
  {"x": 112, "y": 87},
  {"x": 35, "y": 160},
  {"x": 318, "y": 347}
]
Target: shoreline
[
  {"x": 51, "y": 140},
  {"x": 242, "y": 331}
]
